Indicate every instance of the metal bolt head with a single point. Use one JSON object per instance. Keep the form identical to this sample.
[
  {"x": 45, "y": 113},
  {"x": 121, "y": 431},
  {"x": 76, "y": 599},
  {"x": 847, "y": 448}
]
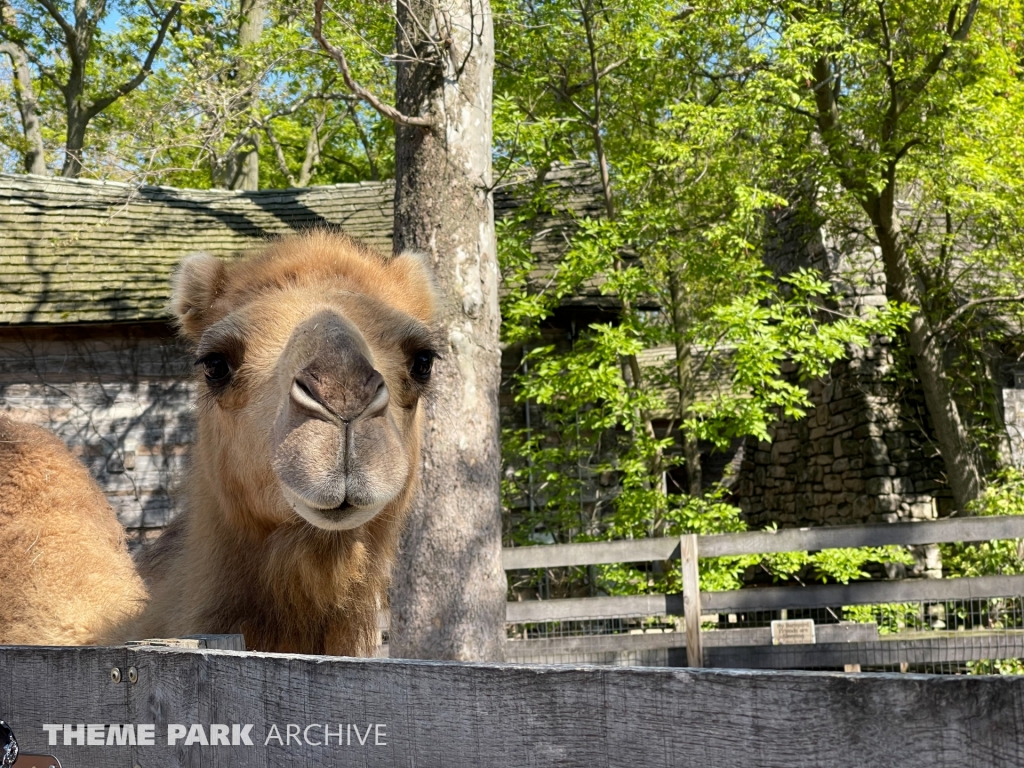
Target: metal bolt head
[
  {"x": 115, "y": 674},
  {"x": 133, "y": 675}
]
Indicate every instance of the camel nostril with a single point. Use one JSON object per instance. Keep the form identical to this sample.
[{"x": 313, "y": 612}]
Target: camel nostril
[
  {"x": 380, "y": 400},
  {"x": 307, "y": 398}
]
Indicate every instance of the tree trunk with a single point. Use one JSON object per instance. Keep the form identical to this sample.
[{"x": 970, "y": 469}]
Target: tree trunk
[
  {"x": 243, "y": 168},
  {"x": 75, "y": 108},
  {"x": 25, "y": 95},
  {"x": 74, "y": 143},
  {"x": 449, "y": 590},
  {"x": 962, "y": 472},
  {"x": 902, "y": 284},
  {"x": 685, "y": 387}
]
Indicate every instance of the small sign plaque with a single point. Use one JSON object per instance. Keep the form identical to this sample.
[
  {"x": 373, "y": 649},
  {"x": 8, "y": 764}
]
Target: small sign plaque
[{"x": 793, "y": 632}]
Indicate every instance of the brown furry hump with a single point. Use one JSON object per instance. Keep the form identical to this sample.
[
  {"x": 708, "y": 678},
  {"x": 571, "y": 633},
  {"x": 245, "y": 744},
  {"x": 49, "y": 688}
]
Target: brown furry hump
[{"x": 65, "y": 574}]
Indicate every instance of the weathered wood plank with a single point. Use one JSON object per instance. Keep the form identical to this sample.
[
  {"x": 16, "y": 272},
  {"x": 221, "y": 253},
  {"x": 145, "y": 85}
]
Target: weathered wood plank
[
  {"x": 767, "y": 599},
  {"x": 835, "y": 537},
  {"x": 691, "y": 598},
  {"x": 763, "y": 542},
  {"x": 941, "y": 649},
  {"x": 580, "y": 608},
  {"x": 62, "y": 685},
  {"x": 590, "y": 553},
  {"x": 863, "y": 593},
  {"x": 726, "y": 638},
  {"x": 481, "y": 715}
]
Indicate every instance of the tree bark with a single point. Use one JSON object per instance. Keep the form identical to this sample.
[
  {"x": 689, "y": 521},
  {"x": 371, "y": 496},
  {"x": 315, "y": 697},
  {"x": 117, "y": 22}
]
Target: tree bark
[
  {"x": 25, "y": 95},
  {"x": 242, "y": 169},
  {"x": 962, "y": 471},
  {"x": 74, "y": 144},
  {"x": 449, "y": 590},
  {"x": 685, "y": 388}
]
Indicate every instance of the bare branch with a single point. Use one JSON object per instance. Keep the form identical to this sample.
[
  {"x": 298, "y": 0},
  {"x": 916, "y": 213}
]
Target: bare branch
[
  {"x": 127, "y": 87},
  {"x": 365, "y": 141},
  {"x": 70, "y": 34},
  {"x": 571, "y": 90},
  {"x": 299, "y": 103},
  {"x": 890, "y": 69},
  {"x": 282, "y": 164},
  {"x": 385, "y": 110},
  {"x": 314, "y": 147},
  {"x": 28, "y": 102},
  {"x": 44, "y": 71},
  {"x": 963, "y": 309}
]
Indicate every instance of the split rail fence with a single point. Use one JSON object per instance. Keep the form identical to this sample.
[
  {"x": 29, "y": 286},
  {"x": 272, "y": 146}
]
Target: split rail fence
[{"x": 836, "y": 644}]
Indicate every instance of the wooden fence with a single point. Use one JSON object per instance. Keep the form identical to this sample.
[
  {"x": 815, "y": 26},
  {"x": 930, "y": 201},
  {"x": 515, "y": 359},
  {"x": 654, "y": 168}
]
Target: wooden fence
[
  {"x": 852, "y": 645},
  {"x": 448, "y": 715}
]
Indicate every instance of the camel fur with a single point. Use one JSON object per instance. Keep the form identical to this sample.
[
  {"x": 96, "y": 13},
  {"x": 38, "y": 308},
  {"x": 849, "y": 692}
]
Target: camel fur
[
  {"x": 312, "y": 358},
  {"x": 65, "y": 574}
]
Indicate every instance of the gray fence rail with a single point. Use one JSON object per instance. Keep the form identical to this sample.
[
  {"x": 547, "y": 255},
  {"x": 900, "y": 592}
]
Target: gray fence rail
[
  {"x": 688, "y": 549},
  {"x": 762, "y": 542},
  {"x": 451, "y": 715}
]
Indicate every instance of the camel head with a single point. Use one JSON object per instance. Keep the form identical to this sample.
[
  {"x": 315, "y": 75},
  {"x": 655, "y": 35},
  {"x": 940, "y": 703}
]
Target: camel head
[{"x": 311, "y": 358}]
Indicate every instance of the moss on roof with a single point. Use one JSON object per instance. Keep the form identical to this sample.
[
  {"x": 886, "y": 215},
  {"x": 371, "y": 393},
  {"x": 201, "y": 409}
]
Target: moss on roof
[{"x": 74, "y": 251}]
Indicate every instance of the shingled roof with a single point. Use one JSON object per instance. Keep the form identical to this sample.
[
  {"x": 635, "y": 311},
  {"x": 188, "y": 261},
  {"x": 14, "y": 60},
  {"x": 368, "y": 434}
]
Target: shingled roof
[{"x": 74, "y": 251}]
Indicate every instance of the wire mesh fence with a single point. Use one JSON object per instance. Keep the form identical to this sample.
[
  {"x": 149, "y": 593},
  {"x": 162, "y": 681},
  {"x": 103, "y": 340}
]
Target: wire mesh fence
[
  {"x": 972, "y": 636},
  {"x": 959, "y": 625}
]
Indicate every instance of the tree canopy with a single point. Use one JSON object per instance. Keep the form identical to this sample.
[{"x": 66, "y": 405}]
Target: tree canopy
[{"x": 894, "y": 125}]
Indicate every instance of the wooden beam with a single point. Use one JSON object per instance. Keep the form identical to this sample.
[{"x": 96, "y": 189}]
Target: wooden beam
[
  {"x": 768, "y": 599},
  {"x": 583, "y": 608},
  {"x": 590, "y": 553},
  {"x": 944, "y": 648},
  {"x": 483, "y": 715},
  {"x": 837, "y": 537},
  {"x": 530, "y": 651},
  {"x": 691, "y": 599},
  {"x": 763, "y": 542},
  {"x": 863, "y": 593},
  {"x": 525, "y": 650}
]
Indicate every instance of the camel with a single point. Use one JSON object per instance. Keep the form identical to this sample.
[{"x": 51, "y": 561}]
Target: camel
[
  {"x": 65, "y": 574},
  {"x": 312, "y": 357}
]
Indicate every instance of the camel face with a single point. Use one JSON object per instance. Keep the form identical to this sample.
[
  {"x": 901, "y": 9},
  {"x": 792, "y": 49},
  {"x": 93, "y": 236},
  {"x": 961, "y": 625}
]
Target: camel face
[{"x": 313, "y": 358}]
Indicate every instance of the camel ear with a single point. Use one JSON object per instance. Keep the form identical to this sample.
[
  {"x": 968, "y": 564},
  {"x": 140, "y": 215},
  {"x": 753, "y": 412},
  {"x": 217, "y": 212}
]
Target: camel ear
[
  {"x": 413, "y": 271},
  {"x": 194, "y": 286}
]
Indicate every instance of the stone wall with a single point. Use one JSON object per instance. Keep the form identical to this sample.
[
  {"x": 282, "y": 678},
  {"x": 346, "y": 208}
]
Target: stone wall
[
  {"x": 862, "y": 453},
  {"x": 1013, "y": 411},
  {"x": 119, "y": 396},
  {"x": 859, "y": 456}
]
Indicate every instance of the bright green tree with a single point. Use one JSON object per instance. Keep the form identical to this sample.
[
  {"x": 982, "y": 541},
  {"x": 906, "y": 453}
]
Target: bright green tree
[
  {"x": 659, "y": 96},
  {"x": 69, "y": 50},
  {"x": 907, "y": 117}
]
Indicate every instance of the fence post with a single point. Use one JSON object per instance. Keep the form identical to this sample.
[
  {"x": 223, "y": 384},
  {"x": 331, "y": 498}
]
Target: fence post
[{"x": 691, "y": 599}]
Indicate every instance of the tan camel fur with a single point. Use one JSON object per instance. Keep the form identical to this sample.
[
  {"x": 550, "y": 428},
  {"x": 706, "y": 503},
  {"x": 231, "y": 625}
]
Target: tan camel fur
[
  {"x": 312, "y": 357},
  {"x": 65, "y": 574}
]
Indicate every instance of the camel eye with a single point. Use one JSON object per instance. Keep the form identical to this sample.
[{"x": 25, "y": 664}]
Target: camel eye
[
  {"x": 216, "y": 368},
  {"x": 422, "y": 363}
]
